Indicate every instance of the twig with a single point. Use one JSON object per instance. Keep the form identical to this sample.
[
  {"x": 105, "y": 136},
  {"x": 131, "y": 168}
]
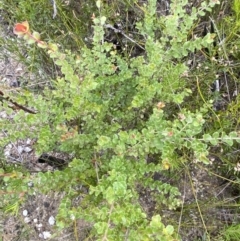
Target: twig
[
  {"x": 120, "y": 31},
  {"x": 14, "y": 159},
  {"x": 16, "y": 105},
  {"x": 222, "y": 45},
  {"x": 226, "y": 82},
  {"x": 183, "y": 201},
  {"x": 54, "y": 8},
  {"x": 108, "y": 224}
]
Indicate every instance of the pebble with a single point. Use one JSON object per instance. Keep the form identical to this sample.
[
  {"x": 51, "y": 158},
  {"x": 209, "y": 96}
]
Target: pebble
[
  {"x": 30, "y": 184},
  {"x": 20, "y": 149},
  {"x": 39, "y": 226},
  {"x": 25, "y": 213},
  {"x": 27, "y": 220},
  {"x": 45, "y": 235},
  {"x": 27, "y": 149},
  {"x": 51, "y": 220}
]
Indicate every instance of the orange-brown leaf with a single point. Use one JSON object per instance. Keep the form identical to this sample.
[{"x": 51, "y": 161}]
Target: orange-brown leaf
[{"x": 21, "y": 29}]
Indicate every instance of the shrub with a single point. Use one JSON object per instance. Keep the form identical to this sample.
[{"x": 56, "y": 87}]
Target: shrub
[{"x": 123, "y": 121}]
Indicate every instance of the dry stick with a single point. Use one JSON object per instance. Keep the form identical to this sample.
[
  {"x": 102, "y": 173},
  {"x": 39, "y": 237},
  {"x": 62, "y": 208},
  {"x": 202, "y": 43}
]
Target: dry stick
[
  {"x": 183, "y": 201},
  {"x": 16, "y": 150},
  {"x": 75, "y": 230},
  {"x": 226, "y": 56},
  {"x": 198, "y": 206},
  {"x": 54, "y": 8},
  {"x": 22, "y": 107},
  {"x": 96, "y": 167},
  {"x": 120, "y": 31},
  {"x": 17, "y": 105},
  {"x": 225, "y": 77},
  {"x": 202, "y": 97},
  {"x": 228, "y": 184},
  {"x": 108, "y": 224}
]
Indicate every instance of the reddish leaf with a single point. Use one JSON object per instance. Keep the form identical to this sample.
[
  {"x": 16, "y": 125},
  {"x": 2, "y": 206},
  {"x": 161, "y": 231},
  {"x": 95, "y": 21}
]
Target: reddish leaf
[{"x": 21, "y": 29}]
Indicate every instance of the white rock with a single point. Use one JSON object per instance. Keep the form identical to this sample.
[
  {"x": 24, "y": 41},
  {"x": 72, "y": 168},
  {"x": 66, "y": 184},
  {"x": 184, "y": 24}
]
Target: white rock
[
  {"x": 18, "y": 69},
  {"x": 20, "y": 149},
  {"x": 7, "y": 153},
  {"x": 3, "y": 115},
  {"x": 35, "y": 220},
  {"x": 7, "y": 150},
  {"x": 27, "y": 220},
  {"x": 51, "y": 220},
  {"x": 25, "y": 213},
  {"x": 28, "y": 142},
  {"x": 46, "y": 235},
  {"x": 27, "y": 149},
  {"x": 30, "y": 184},
  {"x": 38, "y": 226},
  {"x": 235, "y": 93}
]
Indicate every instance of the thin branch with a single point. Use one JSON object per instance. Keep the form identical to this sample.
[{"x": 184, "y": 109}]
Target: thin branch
[
  {"x": 16, "y": 105},
  {"x": 54, "y": 8},
  {"x": 120, "y": 31}
]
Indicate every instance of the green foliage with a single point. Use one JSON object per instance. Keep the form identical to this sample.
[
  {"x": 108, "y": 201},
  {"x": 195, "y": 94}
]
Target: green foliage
[
  {"x": 230, "y": 28},
  {"x": 69, "y": 27},
  {"x": 227, "y": 50},
  {"x": 14, "y": 186},
  {"x": 113, "y": 114},
  {"x": 69, "y": 24},
  {"x": 231, "y": 233}
]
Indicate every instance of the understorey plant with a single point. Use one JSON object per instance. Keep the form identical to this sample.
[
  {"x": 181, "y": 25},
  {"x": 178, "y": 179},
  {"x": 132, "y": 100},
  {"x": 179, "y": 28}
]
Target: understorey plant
[{"x": 122, "y": 120}]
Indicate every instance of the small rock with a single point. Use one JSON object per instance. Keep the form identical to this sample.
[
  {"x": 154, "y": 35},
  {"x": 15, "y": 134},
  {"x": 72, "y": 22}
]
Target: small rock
[
  {"x": 7, "y": 153},
  {"x": 7, "y": 150},
  {"x": 28, "y": 142},
  {"x": 25, "y": 212},
  {"x": 3, "y": 115},
  {"x": 35, "y": 220},
  {"x": 27, "y": 220},
  {"x": 30, "y": 184},
  {"x": 27, "y": 149},
  {"x": 38, "y": 226},
  {"x": 46, "y": 235},
  {"x": 18, "y": 69},
  {"x": 51, "y": 220},
  {"x": 20, "y": 149}
]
